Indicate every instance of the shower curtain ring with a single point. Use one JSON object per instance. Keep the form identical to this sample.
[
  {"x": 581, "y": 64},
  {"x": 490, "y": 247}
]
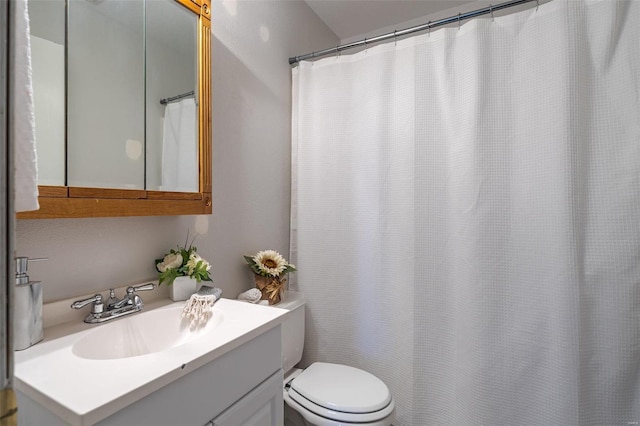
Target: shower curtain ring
[
  {"x": 458, "y": 20},
  {"x": 537, "y": 4},
  {"x": 491, "y": 11},
  {"x": 338, "y": 51},
  {"x": 429, "y": 27},
  {"x": 395, "y": 38}
]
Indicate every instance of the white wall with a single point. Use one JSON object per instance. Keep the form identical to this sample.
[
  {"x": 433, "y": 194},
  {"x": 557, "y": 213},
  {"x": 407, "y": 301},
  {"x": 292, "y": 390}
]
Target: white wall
[{"x": 251, "y": 167}]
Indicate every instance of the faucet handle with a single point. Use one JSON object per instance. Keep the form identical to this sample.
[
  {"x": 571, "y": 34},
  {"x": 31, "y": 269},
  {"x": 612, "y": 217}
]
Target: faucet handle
[
  {"x": 143, "y": 287},
  {"x": 96, "y": 300}
]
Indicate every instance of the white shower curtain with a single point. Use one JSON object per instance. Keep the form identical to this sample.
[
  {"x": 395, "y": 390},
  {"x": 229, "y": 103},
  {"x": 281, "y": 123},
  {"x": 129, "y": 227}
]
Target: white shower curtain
[{"x": 466, "y": 216}]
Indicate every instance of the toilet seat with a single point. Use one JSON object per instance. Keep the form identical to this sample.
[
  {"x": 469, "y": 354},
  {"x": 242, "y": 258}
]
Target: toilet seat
[{"x": 341, "y": 393}]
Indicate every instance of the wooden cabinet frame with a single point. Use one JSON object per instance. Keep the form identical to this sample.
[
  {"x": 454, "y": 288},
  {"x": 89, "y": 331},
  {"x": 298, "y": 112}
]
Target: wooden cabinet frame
[{"x": 77, "y": 202}]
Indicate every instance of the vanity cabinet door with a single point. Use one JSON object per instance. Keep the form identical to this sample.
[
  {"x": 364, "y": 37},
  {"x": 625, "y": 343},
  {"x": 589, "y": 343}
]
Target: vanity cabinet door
[{"x": 263, "y": 406}]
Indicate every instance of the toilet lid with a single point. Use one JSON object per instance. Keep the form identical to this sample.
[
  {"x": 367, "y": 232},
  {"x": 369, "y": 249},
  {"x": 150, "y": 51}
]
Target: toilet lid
[{"x": 342, "y": 388}]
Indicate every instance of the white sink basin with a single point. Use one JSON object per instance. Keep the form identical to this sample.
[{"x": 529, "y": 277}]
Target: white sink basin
[{"x": 141, "y": 334}]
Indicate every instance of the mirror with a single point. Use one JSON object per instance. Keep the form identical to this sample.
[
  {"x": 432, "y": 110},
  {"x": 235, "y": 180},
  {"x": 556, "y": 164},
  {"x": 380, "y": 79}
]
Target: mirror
[
  {"x": 105, "y": 94},
  {"x": 171, "y": 105},
  {"x": 137, "y": 133},
  {"x": 48, "y": 73}
]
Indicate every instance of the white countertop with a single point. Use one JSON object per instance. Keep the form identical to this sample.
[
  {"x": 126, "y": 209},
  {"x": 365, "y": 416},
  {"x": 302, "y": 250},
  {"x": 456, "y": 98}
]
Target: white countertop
[{"x": 85, "y": 391}]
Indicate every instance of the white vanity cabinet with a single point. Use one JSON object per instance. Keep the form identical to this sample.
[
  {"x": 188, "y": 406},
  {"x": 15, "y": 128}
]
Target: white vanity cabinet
[{"x": 241, "y": 387}]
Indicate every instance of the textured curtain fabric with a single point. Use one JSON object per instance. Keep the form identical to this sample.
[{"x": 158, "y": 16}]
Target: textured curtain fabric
[{"x": 466, "y": 216}]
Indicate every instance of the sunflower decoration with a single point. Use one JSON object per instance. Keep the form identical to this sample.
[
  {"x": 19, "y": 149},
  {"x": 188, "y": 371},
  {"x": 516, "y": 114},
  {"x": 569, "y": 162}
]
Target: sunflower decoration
[{"x": 270, "y": 269}]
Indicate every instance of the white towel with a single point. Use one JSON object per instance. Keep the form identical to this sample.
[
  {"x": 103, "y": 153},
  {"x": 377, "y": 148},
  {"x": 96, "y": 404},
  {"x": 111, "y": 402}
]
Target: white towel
[
  {"x": 197, "y": 310},
  {"x": 180, "y": 147},
  {"x": 22, "y": 114}
]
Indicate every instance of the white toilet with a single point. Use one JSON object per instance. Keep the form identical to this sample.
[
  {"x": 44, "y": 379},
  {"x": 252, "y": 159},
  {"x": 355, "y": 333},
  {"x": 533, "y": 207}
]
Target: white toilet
[{"x": 327, "y": 394}]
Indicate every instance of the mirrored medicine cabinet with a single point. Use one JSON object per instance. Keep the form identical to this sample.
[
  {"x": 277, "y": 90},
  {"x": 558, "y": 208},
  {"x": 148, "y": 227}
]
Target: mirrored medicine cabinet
[{"x": 122, "y": 107}]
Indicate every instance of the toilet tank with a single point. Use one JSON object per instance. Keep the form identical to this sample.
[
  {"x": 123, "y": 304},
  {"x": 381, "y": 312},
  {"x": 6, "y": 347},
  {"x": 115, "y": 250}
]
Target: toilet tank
[{"x": 292, "y": 329}]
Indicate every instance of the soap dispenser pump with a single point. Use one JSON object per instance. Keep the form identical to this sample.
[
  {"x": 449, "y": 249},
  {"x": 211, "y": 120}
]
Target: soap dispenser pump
[{"x": 27, "y": 307}]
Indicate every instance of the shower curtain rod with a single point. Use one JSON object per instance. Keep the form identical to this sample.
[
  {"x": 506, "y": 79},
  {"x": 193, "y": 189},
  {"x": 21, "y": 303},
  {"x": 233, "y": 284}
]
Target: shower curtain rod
[
  {"x": 175, "y": 98},
  {"x": 399, "y": 33}
]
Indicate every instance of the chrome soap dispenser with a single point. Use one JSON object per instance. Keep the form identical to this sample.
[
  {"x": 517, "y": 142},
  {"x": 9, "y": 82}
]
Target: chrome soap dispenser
[{"x": 27, "y": 311}]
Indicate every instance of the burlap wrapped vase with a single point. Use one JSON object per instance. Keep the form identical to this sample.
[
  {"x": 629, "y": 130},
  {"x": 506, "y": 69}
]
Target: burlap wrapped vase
[{"x": 273, "y": 289}]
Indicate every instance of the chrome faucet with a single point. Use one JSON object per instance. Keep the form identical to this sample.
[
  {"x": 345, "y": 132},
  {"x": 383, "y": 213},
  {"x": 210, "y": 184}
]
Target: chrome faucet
[{"x": 115, "y": 308}]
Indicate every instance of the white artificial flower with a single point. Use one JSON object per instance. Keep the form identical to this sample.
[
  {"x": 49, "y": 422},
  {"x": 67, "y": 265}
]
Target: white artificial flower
[
  {"x": 173, "y": 260},
  {"x": 192, "y": 263},
  {"x": 270, "y": 262},
  {"x": 170, "y": 261}
]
